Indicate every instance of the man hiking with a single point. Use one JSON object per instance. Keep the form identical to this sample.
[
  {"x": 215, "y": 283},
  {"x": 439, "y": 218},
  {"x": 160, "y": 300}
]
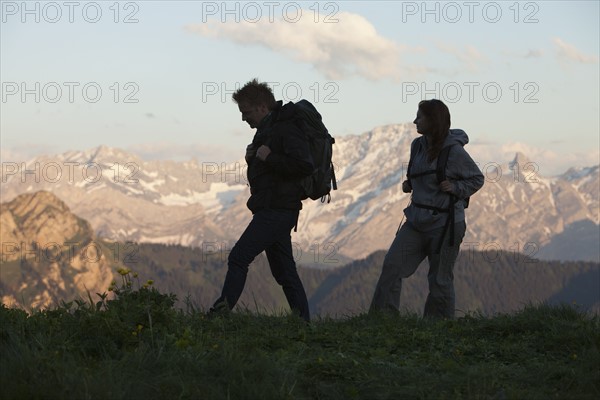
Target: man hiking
[{"x": 278, "y": 158}]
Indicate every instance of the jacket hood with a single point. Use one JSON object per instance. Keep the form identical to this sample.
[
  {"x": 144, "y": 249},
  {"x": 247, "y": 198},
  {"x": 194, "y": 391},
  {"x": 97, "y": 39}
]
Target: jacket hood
[{"x": 456, "y": 136}]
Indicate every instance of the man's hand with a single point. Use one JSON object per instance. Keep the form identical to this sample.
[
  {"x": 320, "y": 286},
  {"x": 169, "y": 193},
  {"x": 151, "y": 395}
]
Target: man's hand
[
  {"x": 263, "y": 152},
  {"x": 250, "y": 152},
  {"x": 447, "y": 186},
  {"x": 406, "y": 187}
]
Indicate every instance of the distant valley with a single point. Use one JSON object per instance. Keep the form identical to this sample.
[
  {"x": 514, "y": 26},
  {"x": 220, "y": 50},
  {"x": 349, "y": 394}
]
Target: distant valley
[{"x": 50, "y": 254}]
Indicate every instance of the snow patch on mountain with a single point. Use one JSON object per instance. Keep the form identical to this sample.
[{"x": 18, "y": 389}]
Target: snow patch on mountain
[
  {"x": 183, "y": 239},
  {"x": 96, "y": 187},
  {"x": 188, "y": 203},
  {"x": 151, "y": 186},
  {"x": 218, "y": 196}
]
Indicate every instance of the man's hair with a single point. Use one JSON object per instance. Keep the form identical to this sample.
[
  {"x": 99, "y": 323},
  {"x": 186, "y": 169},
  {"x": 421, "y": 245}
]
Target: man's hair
[
  {"x": 256, "y": 94},
  {"x": 438, "y": 115}
]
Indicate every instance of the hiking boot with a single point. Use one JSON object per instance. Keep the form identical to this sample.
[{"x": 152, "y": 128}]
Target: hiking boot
[{"x": 219, "y": 309}]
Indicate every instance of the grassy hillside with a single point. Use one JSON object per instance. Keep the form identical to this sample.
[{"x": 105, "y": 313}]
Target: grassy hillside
[
  {"x": 199, "y": 276},
  {"x": 489, "y": 282},
  {"x": 139, "y": 346}
]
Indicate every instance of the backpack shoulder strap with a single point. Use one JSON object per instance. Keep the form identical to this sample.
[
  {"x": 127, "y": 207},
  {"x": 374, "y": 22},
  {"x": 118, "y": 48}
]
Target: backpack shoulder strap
[
  {"x": 410, "y": 160},
  {"x": 442, "y": 163}
]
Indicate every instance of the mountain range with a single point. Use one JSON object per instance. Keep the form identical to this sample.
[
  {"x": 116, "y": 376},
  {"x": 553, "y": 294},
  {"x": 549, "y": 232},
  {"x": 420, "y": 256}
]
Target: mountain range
[
  {"x": 202, "y": 203},
  {"x": 48, "y": 253}
]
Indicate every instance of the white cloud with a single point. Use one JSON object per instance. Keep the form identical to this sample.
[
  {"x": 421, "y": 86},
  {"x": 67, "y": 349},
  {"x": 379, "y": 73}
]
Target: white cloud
[
  {"x": 25, "y": 153},
  {"x": 568, "y": 52},
  {"x": 185, "y": 151},
  {"x": 351, "y": 46},
  {"x": 469, "y": 56},
  {"x": 534, "y": 54},
  {"x": 531, "y": 53},
  {"x": 546, "y": 161},
  {"x": 147, "y": 151}
]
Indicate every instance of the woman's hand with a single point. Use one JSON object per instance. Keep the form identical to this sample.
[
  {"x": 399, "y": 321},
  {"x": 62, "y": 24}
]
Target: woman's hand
[{"x": 447, "y": 186}]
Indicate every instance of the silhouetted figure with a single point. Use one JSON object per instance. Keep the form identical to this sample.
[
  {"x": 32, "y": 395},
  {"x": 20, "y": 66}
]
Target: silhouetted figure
[
  {"x": 277, "y": 158},
  {"x": 435, "y": 219}
]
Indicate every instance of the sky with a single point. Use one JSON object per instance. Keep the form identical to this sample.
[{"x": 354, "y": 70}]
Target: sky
[{"x": 156, "y": 77}]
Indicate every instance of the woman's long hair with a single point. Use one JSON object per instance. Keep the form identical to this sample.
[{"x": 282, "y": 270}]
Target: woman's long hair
[{"x": 438, "y": 115}]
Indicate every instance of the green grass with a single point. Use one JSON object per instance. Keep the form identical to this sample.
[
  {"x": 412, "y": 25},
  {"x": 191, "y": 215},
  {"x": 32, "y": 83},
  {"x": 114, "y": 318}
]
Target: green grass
[{"x": 139, "y": 346}]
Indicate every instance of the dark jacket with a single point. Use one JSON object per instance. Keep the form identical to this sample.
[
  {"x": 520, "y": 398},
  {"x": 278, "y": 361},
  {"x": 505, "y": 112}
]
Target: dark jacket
[
  {"x": 461, "y": 170},
  {"x": 274, "y": 183}
]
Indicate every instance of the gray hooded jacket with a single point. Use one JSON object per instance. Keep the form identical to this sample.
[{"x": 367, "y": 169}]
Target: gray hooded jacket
[{"x": 461, "y": 170}]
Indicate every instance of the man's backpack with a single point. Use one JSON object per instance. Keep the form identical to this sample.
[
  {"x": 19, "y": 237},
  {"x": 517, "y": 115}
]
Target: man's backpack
[{"x": 322, "y": 181}]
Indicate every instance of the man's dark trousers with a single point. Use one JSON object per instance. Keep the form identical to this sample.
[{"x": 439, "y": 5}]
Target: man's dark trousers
[{"x": 269, "y": 231}]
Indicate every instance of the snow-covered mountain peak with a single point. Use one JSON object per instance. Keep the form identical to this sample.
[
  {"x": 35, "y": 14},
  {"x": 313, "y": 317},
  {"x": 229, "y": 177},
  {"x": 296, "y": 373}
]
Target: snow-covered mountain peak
[
  {"x": 520, "y": 159},
  {"x": 101, "y": 155},
  {"x": 574, "y": 174},
  {"x": 195, "y": 201}
]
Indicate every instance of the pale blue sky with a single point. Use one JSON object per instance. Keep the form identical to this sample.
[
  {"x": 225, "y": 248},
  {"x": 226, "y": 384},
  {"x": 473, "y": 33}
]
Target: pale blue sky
[{"x": 373, "y": 59}]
